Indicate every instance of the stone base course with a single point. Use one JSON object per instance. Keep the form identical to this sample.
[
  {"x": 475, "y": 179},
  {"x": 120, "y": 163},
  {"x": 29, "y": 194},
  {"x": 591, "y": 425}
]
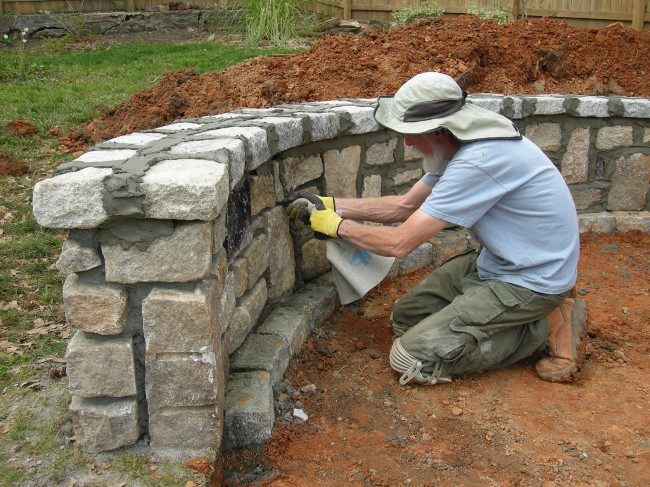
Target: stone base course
[{"x": 191, "y": 289}]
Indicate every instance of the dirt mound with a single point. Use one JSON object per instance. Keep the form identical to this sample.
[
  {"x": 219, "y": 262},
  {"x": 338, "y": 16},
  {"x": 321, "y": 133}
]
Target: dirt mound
[{"x": 528, "y": 56}]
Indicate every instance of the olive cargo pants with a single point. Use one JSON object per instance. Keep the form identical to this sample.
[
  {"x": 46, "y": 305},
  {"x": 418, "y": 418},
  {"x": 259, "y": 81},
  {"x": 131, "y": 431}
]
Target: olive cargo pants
[{"x": 465, "y": 324}]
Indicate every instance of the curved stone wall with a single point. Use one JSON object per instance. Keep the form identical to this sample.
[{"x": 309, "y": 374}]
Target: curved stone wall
[{"x": 189, "y": 288}]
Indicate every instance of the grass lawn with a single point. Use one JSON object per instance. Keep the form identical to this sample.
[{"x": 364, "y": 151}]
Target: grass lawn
[{"x": 61, "y": 84}]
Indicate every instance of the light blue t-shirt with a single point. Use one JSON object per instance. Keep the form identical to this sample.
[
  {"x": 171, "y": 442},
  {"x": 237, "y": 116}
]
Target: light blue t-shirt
[{"x": 515, "y": 203}]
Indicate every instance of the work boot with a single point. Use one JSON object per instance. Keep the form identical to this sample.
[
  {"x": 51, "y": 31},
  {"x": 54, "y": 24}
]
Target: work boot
[{"x": 562, "y": 343}]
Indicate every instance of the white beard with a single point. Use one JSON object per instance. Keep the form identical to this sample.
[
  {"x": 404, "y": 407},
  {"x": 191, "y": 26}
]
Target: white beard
[{"x": 435, "y": 163}]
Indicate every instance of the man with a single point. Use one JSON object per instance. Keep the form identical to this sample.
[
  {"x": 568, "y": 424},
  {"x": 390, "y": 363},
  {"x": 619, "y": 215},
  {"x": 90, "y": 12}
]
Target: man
[{"x": 484, "y": 309}]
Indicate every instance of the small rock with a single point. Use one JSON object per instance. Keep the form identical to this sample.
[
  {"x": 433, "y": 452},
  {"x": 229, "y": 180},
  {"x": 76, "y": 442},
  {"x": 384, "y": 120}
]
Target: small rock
[{"x": 456, "y": 411}]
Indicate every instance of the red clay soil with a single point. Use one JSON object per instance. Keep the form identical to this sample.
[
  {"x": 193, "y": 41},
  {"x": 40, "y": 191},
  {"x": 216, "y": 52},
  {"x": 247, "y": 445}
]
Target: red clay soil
[
  {"x": 500, "y": 428},
  {"x": 528, "y": 56}
]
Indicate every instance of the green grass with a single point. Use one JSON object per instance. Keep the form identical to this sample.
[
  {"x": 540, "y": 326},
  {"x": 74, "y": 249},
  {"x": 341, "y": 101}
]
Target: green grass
[{"x": 65, "y": 87}]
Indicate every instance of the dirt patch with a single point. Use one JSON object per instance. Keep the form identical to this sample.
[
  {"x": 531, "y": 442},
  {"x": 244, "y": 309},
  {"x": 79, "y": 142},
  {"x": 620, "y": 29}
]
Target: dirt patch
[
  {"x": 500, "y": 428},
  {"x": 12, "y": 166},
  {"x": 526, "y": 57}
]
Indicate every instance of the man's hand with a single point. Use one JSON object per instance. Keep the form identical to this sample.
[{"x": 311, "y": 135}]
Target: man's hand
[{"x": 314, "y": 210}]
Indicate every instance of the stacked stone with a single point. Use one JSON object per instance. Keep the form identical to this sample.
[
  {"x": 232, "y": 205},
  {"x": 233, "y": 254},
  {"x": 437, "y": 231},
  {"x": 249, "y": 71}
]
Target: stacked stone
[{"x": 181, "y": 266}]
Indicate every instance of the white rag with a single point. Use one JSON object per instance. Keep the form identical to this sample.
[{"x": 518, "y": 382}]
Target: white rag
[{"x": 355, "y": 271}]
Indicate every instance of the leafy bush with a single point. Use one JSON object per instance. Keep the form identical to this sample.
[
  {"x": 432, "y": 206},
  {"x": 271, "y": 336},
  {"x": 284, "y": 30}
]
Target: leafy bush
[
  {"x": 273, "y": 20},
  {"x": 412, "y": 13},
  {"x": 497, "y": 12}
]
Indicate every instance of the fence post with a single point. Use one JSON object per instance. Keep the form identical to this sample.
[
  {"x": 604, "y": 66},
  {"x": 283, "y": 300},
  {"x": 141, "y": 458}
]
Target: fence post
[
  {"x": 638, "y": 14},
  {"x": 347, "y": 9},
  {"x": 2, "y": 8},
  {"x": 513, "y": 10}
]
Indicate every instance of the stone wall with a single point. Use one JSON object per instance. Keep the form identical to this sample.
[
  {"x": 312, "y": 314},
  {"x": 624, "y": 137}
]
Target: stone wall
[{"x": 189, "y": 288}]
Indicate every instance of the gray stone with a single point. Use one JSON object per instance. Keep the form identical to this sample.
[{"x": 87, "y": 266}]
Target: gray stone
[
  {"x": 288, "y": 130},
  {"x": 381, "y": 153},
  {"x": 257, "y": 256},
  {"x": 317, "y": 301},
  {"x": 219, "y": 232},
  {"x": 548, "y": 105},
  {"x": 646, "y": 135},
  {"x": 636, "y": 107},
  {"x": 361, "y": 118},
  {"x": 239, "y": 269},
  {"x": 262, "y": 352},
  {"x": 341, "y": 169},
  {"x": 104, "y": 156},
  {"x": 494, "y": 104},
  {"x": 371, "y": 186},
  {"x": 323, "y": 125},
  {"x": 179, "y": 320},
  {"x": 593, "y": 106},
  {"x": 100, "y": 366},
  {"x": 226, "y": 151},
  {"x": 179, "y": 127},
  {"x": 185, "y": 189},
  {"x": 597, "y": 223},
  {"x": 248, "y": 416},
  {"x": 575, "y": 163},
  {"x": 420, "y": 257},
  {"x": 630, "y": 183},
  {"x": 219, "y": 269},
  {"x": 138, "y": 139},
  {"x": 314, "y": 260},
  {"x": 289, "y": 323},
  {"x": 227, "y": 301},
  {"x": 633, "y": 220},
  {"x": 547, "y": 136},
  {"x": 96, "y": 308},
  {"x": 255, "y": 139},
  {"x": 186, "y": 427},
  {"x": 183, "y": 256},
  {"x": 296, "y": 171},
  {"x": 615, "y": 136},
  {"x": 411, "y": 154},
  {"x": 71, "y": 200},
  {"x": 177, "y": 380},
  {"x": 407, "y": 176},
  {"x": 263, "y": 193},
  {"x": 102, "y": 424},
  {"x": 450, "y": 243},
  {"x": 245, "y": 315},
  {"x": 584, "y": 198},
  {"x": 282, "y": 265},
  {"x": 78, "y": 253}
]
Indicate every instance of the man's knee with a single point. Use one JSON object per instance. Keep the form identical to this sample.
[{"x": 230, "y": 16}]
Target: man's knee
[{"x": 430, "y": 371}]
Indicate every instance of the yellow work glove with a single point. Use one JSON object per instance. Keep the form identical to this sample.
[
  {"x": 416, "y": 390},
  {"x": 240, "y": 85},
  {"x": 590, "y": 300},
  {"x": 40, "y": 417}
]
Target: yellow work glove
[
  {"x": 326, "y": 222},
  {"x": 302, "y": 206}
]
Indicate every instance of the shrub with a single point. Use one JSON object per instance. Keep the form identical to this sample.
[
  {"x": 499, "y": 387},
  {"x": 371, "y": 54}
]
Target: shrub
[
  {"x": 497, "y": 12},
  {"x": 273, "y": 20},
  {"x": 412, "y": 13}
]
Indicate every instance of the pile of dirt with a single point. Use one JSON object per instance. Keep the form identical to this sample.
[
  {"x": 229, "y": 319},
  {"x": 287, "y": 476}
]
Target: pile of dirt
[{"x": 531, "y": 56}]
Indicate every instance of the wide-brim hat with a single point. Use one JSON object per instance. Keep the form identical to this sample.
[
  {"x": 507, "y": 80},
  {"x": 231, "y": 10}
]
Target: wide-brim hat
[{"x": 430, "y": 101}]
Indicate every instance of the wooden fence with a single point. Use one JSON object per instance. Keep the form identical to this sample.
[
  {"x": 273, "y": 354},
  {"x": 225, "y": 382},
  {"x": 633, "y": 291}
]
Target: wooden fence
[{"x": 592, "y": 13}]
